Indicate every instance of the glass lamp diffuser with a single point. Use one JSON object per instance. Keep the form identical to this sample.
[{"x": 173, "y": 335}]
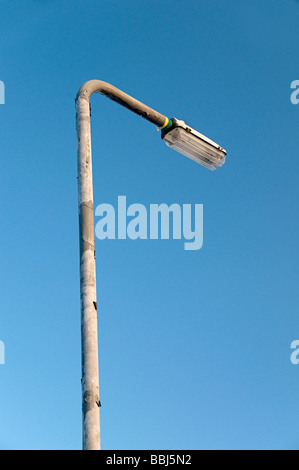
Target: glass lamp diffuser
[{"x": 194, "y": 145}]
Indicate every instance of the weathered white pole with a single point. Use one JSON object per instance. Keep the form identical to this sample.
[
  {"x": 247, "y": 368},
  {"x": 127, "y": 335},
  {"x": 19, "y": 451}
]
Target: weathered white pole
[{"x": 89, "y": 326}]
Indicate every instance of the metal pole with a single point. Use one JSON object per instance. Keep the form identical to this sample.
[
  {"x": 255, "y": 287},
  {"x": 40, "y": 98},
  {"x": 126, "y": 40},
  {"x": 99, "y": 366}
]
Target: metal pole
[
  {"x": 89, "y": 323},
  {"x": 89, "y": 327}
]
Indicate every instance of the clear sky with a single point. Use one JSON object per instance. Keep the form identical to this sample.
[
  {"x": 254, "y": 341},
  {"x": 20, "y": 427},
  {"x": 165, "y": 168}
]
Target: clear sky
[{"x": 194, "y": 345}]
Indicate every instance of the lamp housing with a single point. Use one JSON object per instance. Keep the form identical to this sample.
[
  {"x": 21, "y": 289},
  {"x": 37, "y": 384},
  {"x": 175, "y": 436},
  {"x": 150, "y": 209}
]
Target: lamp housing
[{"x": 193, "y": 145}]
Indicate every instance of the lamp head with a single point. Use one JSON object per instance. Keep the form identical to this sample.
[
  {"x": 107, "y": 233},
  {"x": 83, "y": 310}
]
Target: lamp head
[{"x": 193, "y": 145}]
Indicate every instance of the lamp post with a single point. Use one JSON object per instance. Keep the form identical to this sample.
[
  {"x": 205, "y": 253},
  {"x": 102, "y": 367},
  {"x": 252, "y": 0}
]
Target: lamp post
[{"x": 178, "y": 136}]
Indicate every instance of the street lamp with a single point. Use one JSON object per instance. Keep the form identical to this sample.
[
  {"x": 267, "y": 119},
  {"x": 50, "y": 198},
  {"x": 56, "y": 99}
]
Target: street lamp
[{"x": 177, "y": 135}]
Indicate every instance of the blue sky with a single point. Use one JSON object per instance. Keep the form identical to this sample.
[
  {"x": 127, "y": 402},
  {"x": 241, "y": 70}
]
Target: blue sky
[{"x": 194, "y": 346}]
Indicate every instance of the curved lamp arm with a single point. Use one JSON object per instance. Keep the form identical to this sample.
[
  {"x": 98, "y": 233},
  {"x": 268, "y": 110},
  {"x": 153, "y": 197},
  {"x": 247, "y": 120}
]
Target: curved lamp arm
[{"x": 114, "y": 94}]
